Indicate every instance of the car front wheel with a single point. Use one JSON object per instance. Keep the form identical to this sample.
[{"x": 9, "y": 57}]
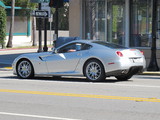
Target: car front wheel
[
  {"x": 94, "y": 71},
  {"x": 25, "y": 69}
]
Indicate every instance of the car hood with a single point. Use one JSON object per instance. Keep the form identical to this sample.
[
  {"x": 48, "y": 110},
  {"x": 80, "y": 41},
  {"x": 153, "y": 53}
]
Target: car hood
[{"x": 33, "y": 55}]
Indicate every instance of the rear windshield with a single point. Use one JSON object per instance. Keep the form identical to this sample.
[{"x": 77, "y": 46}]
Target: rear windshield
[{"x": 110, "y": 45}]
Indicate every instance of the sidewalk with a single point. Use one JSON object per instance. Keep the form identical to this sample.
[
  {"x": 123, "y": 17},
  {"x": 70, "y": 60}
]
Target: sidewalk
[
  {"x": 17, "y": 50},
  {"x": 32, "y": 50}
]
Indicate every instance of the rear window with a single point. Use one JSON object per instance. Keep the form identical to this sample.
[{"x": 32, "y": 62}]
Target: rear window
[{"x": 110, "y": 45}]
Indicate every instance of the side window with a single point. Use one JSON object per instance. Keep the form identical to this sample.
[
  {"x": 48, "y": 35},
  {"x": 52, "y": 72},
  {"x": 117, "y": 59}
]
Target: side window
[
  {"x": 82, "y": 46},
  {"x": 86, "y": 47},
  {"x": 68, "y": 48},
  {"x": 74, "y": 47}
]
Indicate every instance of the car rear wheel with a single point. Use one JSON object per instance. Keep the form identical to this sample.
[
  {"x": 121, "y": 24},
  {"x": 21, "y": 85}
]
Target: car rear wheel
[
  {"x": 94, "y": 71},
  {"x": 25, "y": 69}
]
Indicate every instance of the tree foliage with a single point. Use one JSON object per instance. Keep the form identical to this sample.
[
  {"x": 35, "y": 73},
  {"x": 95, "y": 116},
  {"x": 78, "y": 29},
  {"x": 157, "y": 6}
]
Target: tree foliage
[
  {"x": 26, "y": 4},
  {"x": 20, "y": 3},
  {"x": 2, "y": 26},
  {"x": 63, "y": 21},
  {"x": 63, "y": 17}
]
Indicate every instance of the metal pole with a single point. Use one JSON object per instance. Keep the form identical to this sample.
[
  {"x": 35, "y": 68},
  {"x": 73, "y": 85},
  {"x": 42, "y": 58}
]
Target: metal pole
[
  {"x": 56, "y": 23},
  {"x": 40, "y": 32},
  {"x": 153, "y": 66},
  {"x": 45, "y": 48}
]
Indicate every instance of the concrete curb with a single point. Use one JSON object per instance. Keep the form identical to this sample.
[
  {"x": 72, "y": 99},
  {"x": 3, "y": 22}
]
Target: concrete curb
[{"x": 150, "y": 73}]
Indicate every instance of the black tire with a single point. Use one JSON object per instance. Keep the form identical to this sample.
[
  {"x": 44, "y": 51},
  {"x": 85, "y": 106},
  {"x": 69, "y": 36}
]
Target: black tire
[
  {"x": 123, "y": 77},
  {"x": 25, "y": 69},
  {"x": 94, "y": 70}
]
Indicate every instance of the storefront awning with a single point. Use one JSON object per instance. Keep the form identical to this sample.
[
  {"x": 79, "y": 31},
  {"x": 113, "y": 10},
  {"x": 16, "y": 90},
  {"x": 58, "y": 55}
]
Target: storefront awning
[
  {"x": 9, "y": 7},
  {"x": 2, "y": 4}
]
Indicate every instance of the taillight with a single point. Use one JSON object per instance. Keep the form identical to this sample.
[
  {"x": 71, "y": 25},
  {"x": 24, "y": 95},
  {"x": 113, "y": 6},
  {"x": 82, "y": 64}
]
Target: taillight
[
  {"x": 119, "y": 54},
  {"x": 142, "y": 52}
]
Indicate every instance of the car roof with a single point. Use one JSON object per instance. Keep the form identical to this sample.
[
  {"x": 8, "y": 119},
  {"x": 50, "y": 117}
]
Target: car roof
[
  {"x": 93, "y": 42},
  {"x": 84, "y": 41},
  {"x": 75, "y": 41}
]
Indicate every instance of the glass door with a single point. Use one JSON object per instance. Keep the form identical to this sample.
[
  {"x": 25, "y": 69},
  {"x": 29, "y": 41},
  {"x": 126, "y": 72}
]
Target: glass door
[{"x": 116, "y": 21}]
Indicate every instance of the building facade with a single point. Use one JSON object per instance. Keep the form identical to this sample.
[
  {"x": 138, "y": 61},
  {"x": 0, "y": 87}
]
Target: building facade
[
  {"x": 22, "y": 27},
  {"x": 124, "y": 22}
]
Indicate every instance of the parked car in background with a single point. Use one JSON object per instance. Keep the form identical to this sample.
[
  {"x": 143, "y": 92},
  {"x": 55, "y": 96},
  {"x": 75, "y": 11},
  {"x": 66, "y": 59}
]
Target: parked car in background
[{"x": 95, "y": 60}]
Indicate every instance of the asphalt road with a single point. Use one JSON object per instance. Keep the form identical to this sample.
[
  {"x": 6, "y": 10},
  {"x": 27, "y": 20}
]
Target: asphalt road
[
  {"x": 47, "y": 98},
  {"x": 7, "y": 56},
  {"x": 6, "y": 60}
]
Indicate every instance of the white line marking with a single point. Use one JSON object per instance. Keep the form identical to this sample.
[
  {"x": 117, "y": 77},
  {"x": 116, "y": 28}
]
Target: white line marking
[
  {"x": 134, "y": 85},
  {"x": 36, "y": 116}
]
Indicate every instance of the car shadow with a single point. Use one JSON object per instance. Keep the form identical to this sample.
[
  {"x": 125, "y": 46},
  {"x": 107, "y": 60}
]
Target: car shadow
[
  {"x": 67, "y": 79},
  {"x": 74, "y": 79}
]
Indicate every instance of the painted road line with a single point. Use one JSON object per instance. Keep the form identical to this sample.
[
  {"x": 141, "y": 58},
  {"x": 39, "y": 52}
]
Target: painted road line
[
  {"x": 6, "y": 68},
  {"x": 138, "y": 99},
  {"x": 134, "y": 85},
  {"x": 35, "y": 116},
  {"x": 10, "y": 68}
]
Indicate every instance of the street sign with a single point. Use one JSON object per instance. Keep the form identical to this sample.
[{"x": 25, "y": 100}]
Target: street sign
[
  {"x": 41, "y": 13},
  {"x": 39, "y": 1},
  {"x": 45, "y": 7}
]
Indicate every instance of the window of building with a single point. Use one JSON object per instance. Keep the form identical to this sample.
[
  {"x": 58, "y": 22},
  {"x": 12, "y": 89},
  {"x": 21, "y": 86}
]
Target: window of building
[
  {"x": 105, "y": 20},
  {"x": 116, "y": 21},
  {"x": 95, "y": 21},
  {"x": 141, "y": 23}
]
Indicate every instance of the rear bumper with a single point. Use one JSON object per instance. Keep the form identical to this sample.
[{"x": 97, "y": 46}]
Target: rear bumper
[{"x": 132, "y": 70}]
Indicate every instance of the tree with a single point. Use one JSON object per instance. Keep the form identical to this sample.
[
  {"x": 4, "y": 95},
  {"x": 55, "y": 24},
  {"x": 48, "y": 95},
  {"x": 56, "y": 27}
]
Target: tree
[
  {"x": 64, "y": 17},
  {"x": 2, "y": 26},
  {"x": 28, "y": 7},
  {"x": 9, "y": 44},
  {"x": 63, "y": 12}
]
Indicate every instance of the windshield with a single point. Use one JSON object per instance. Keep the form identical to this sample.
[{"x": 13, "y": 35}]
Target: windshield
[{"x": 110, "y": 45}]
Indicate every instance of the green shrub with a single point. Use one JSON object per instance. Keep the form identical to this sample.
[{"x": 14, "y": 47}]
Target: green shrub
[{"x": 2, "y": 26}]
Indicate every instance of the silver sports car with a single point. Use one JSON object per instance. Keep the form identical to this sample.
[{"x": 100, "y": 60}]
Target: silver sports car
[{"x": 95, "y": 60}]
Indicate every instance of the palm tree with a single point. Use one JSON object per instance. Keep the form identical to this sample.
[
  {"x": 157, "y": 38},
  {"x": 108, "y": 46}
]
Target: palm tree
[{"x": 9, "y": 44}]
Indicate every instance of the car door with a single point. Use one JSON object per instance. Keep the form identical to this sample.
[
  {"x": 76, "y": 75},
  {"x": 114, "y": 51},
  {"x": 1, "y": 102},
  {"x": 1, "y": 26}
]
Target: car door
[{"x": 65, "y": 60}]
